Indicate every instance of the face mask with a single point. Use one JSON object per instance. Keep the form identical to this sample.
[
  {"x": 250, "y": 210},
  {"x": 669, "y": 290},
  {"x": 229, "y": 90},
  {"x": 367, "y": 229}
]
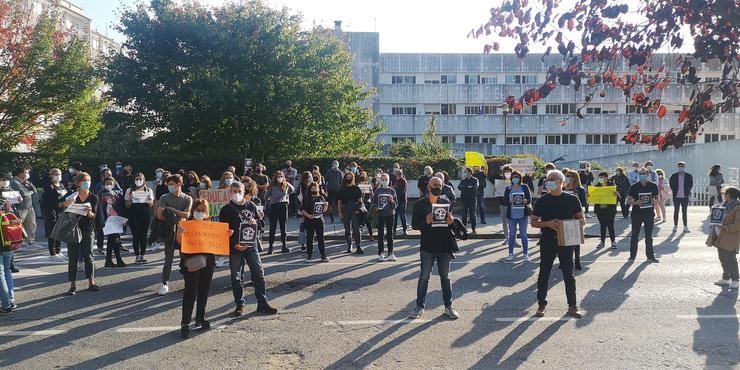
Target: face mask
[
  {"x": 118, "y": 167},
  {"x": 354, "y": 169},
  {"x": 681, "y": 169},
  {"x": 108, "y": 187},
  {"x": 384, "y": 183},
  {"x": 158, "y": 175},
  {"x": 139, "y": 182},
  {"x": 635, "y": 169},
  {"x": 436, "y": 191},
  {"x": 237, "y": 197},
  {"x": 603, "y": 181},
  {"x": 643, "y": 177},
  {"x": 280, "y": 180},
  {"x": 85, "y": 185},
  {"x": 428, "y": 173},
  {"x": 172, "y": 188},
  {"x": 568, "y": 180},
  {"x": 660, "y": 176},
  {"x": 551, "y": 185},
  {"x": 198, "y": 215},
  {"x": 464, "y": 175},
  {"x": 228, "y": 181},
  {"x": 56, "y": 178},
  {"x": 515, "y": 180},
  {"x": 507, "y": 175},
  {"x": 4, "y": 184},
  {"x": 335, "y": 166}
]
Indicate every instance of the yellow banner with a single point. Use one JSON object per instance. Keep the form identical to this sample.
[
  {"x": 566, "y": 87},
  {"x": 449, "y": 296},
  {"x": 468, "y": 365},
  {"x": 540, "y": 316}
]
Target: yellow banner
[
  {"x": 475, "y": 159},
  {"x": 602, "y": 194},
  {"x": 204, "y": 237}
]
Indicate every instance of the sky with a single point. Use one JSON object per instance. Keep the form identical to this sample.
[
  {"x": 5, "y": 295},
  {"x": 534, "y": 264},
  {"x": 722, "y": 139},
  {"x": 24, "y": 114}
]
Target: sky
[{"x": 405, "y": 26}]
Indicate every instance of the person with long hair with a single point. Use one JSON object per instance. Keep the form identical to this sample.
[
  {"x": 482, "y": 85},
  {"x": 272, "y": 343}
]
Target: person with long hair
[
  {"x": 726, "y": 238},
  {"x": 517, "y": 199},
  {"x": 305, "y": 180},
  {"x": 362, "y": 179},
  {"x": 606, "y": 212},
  {"x": 192, "y": 184},
  {"x": 313, "y": 215},
  {"x": 86, "y": 224},
  {"x": 139, "y": 213},
  {"x": 278, "y": 199},
  {"x": 227, "y": 178},
  {"x": 573, "y": 186},
  {"x": 51, "y": 198},
  {"x": 197, "y": 272},
  {"x": 664, "y": 193},
  {"x": 350, "y": 199},
  {"x": 716, "y": 180}
]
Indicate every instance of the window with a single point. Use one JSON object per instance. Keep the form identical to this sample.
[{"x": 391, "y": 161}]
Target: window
[
  {"x": 552, "y": 109},
  {"x": 529, "y": 140},
  {"x": 569, "y": 139},
  {"x": 400, "y": 139},
  {"x": 448, "y": 139},
  {"x": 448, "y": 79},
  {"x": 488, "y": 140},
  {"x": 430, "y": 113},
  {"x": 475, "y": 109},
  {"x": 601, "y": 139},
  {"x": 472, "y": 139},
  {"x": 403, "y": 110},
  {"x": 524, "y": 140},
  {"x": 594, "y": 110},
  {"x": 431, "y": 82},
  {"x": 527, "y": 109},
  {"x": 489, "y": 109},
  {"x": 521, "y": 79},
  {"x": 552, "y": 139},
  {"x": 593, "y": 139},
  {"x": 636, "y": 109},
  {"x": 472, "y": 79},
  {"x": 726, "y": 137},
  {"x": 488, "y": 80},
  {"x": 448, "y": 109},
  {"x": 560, "y": 109},
  {"x": 513, "y": 140},
  {"x": 711, "y": 138},
  {"x": 712, "y": 79},
  {"x": 403, "y": 79},
  {"x": 95, "y": 44}
]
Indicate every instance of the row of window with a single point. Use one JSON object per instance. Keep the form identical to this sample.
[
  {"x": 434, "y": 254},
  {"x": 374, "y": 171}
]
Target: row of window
[
  {"x": 713, "y": 138},
  {"x": 474, "y": 79},
  {"x": 560, "y": 109},
  {"x": 566, "y": 139}
]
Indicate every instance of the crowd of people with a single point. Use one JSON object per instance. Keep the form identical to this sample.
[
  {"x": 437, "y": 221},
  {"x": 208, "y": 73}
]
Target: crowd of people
[{"x": 361, "y": 200}]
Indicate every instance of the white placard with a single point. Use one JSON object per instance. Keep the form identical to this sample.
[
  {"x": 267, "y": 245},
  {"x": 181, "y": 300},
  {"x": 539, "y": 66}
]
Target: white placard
[
  {"x": 571, "y": 232},
  {"x": 140, "y": 197},
  {"x": 114, "y": 225},
  {"x": 365, "y": 188},
  {"x": 523, "y": 165},
  {"x": 439, "y": 212},
  {"x": 646, "y": 200},
  {"x": 13, "y": 197},
  {"x": 260, "y": 208},
  {"x": 78, "y": 208},
  {"x": 499, "y": 187}
]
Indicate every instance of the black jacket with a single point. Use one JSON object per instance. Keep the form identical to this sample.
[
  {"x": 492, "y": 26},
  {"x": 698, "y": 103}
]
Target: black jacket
[
  {"x": 688, "y": 183},
  {"x": 468, "y": 189},
  {"x": 433, "y": 239}
]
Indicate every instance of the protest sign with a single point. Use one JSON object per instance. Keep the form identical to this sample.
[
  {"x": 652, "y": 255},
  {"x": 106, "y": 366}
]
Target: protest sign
[
  {"x": 500, "y": 187},
  {"x": 140, "y": 197},
  {"x": 365, "y": 188},
  {"x": 646, "y": 200},
  {"x": 439, "y": 212},
  {"x": 13, "y": 197},
  {"x": 78, "y": 208},
  {"x": 717, "y": 216},
  {"x": 114, "y": 225},
  {"x": 217, "y": 199},
  {"x": 523, "y": 165},
  {"x": 602, "y": 194},
  {"x": 204, "y": 237},
  {"x": 570, "y": 233}
]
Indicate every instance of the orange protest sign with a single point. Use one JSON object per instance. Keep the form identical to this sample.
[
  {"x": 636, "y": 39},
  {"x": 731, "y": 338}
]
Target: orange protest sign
[{"x": 204, "y": 237}]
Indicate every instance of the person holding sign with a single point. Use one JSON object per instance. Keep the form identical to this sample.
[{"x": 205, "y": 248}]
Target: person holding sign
[
  {"x": 384, "y": 199},
  {"x": 606, "y": 213},
  {"x": 436, "y": 245},
  {"x": 110, "y": 205},
  {"x": 573, "y": 186},
  {"x": 504, "y": 176},
  {"x": 139, "y": 202},
  {"x": 171, "y": 209},
  {"x": 517, "y": 200},
  {"x": 642, "y": 196},
  {"x": 724, "y": 234},
  {"x": 552, "y": 207},
  {"x": 350, "y": 199},
  {"x": 197, "y": 272},
  {"x": 312, "y": 208},
  {"x": 87, "y": 229},
  {"x": 242, "y": 216}
]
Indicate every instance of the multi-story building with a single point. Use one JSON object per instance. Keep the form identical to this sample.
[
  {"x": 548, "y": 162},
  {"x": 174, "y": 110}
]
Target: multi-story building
[{"x": 466, "y": 92}]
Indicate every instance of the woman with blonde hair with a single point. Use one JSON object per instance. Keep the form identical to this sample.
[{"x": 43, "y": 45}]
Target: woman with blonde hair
[{"x": 226, "y": 180}]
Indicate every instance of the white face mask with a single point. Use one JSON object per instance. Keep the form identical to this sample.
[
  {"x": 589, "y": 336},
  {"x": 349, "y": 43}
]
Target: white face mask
[
  {"x": 199, "y": 215},
  {"x": 228, "y": 181},
  {"x": 237, "y": 197},
  {"x": 108, "y": 187},
  {"x": 507, "y": 175},
  {"x": 335, "y": 165},
  {"x": 384, "y": 183},
  {"x": 158, "y": 175},
  {"x": 139, "y": 182},
  {"x": 280, "y": 180},
  {"x": 464, "y": 175}
]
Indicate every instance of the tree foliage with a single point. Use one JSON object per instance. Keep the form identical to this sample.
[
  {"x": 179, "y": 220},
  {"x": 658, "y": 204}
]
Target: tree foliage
[
  {"x": 241, "y": 78},
  {"x": 430, "y": 147},
  {"x": 47, "y": 84},
  {"x": 593, "y": 35}
]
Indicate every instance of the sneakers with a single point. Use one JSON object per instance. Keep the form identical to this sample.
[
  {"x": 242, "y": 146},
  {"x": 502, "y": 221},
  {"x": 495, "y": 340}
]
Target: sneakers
[
  {"x": 686, "y": 229},
  {"x": 526, "y": 258},
  {"x": 735, "y": 284},
  {"x": 416, "y": 312},
  {"x": 325, "y": 259},
  {"x": 381, "y": 258},
  {"x": 266, "y": 309},
  {"x": 5, "y": 311},
  {"x": 185, "y": 331},
  {"x": 653, "y": 260},
  {"x": 164, "y": 289},
  {"x": 574, "y": 312},
  {"x": 285, "y": 250},
  {"x": 220, "y": 262},
  {"x": 675, "y": 228},
  {"x": 588, "y": 215},
  {"x": 540, "y": 310},
  {"x": 203, "y": 324},
  {"x": 58, "y": 258},
  {"x": 509, "y": 258},
  {"x": 451, "y": 313},
  {"x": 239, "y": 311},
  {"x": 307, "y": 260},
  {"x": 358, "y": 250},
  {"x": 101, "y": 251},
  {"x": 613, "y": 244},
  {"x": 658, "y": 219},
  {"x": 722, "y": 282},
  {"x": 600, "y": 245},
  {"x": 391, "y": 257}
]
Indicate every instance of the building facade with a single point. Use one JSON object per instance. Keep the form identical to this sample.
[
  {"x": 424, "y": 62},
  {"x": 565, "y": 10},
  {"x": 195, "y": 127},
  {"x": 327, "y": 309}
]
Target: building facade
[{"x": 466, "y": 92}]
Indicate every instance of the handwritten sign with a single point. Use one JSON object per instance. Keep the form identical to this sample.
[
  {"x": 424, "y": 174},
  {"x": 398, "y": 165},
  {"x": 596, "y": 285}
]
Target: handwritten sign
[
  {"x": 205, "y": 237},
  {"x": 500, "y": 187},
  {"x": 570, "y": 233},
  {"x": 602, "y": 194},
  {"x": 523, "y": 165},
  {"x": 13, "y": 197},
  {"x": 217, "y": 199},
  {"x": 141, "y": 197},
  {"x": 78, "y": 208}
]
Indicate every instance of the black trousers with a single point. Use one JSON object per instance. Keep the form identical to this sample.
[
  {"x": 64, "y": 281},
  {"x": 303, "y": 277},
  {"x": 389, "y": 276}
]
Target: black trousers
[
  {"x": 400, "y": 212},
  {"x": 55, "y": 246},
  {"x": 548, "y": 251},
  {"x": 681, "y": 204},
  {"x": 639, "y": 219},
  {"x": 278, "y": 214},
  {"x": 82, "y": 250},
  {"x": 624, "y": 205},
  {"x": 315, "y": 227},
  {"x": 606, "y": 222},
  {"x": 468, "y": 209},
  {"x": 385, "y": 228},
  {"x": 114, "y": 246},
  {"x": 197, "y": 286},
  {"x": 139, "y": 227}
]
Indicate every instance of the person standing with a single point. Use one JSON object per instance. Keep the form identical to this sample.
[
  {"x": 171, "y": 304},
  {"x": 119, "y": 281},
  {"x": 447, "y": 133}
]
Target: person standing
[
  {"x": 517, "y": 199},
  {"x": 262, "y": 181},
  {"x": 278, "y": 198},
  {"x": 68, "y": 178},
  {"x": 110, "y": 204},
  {"x": 139, "y": 214},
  {"x": 469, "y": 189},
  {"x": 333, "y": 186},
  {"x": 367, "y": 196},
  {"x": 424, "y": 181},
  {"x": 87, "y": 229},
  {"x": 314, "y": 220},
  {"x": 7, "y": 294},
  {"x": 435, "y": 245},
  {"x": 716, "y": 180},
  {"x": 242, "y": 216},
  {"x": 606, "y": 213},
  {"x": 664, "y": 193},
  {"x": 681, "y": 184},
  {"x": 634, "y": 175},
  {"x": 548, "y": 211},
  {"x": 481, "y": 196},
  {"x": 172, "y": 208},
  {"x": 24, "y": 209},
  {"x": 726, "y": 238},
  {"x": 197, "y": 272},
  {"x": 400, "y": 186},
  {"x": 350, "y": 199},
  {"x": 541, "y": 188},
  {"x": 292, "y": 177},
  {"x": 504, "y": 175},
  {"x": 622, "y": 183},
  {"x": 642, "y": 196},
  {"x": 587, "y": 178},
  {"x": 652, "y": 174},
  {"x": 573, "y": 186},
  {"x": 384, "y": 198},
  {"x": 51, "y": 202}
]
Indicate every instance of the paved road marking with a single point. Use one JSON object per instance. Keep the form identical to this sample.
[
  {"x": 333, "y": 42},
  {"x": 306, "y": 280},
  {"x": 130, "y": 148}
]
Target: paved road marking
[
  {"x": 23, "y": 333},
  {"x": 700, "y": 317},
  {"x": 522, "y": 319},
  {"x": 147, "y": 329},
  {"x": 375, "y": 322}
]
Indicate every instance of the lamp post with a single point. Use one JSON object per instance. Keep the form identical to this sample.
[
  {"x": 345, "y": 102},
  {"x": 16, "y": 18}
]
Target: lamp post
[{"x": 506, "y": 113}]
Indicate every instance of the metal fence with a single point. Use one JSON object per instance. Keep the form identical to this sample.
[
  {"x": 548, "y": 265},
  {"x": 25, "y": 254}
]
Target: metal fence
[{"x": 701, "y": 194}]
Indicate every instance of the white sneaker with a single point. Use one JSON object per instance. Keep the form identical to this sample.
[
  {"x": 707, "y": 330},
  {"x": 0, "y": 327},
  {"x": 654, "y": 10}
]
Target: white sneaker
[
  {"x": 164, "y": 289},
  {"x": 686, "y": 230},
  {"x": 509, "y": 258},
  {"x": 155, "y": 247},
  {"x": 391, "y": 257},
  {"x": 416, "y": 312},
  {"x": 451, "y": 313},
  {"x": 220, "y": 262},
  {"x": 588, "y": 215},
  {"x": 60, "y": 257},
  {"x": 735, "y": 284},
  {"x": 722, "y": 282},
  {"x": 325, "y": 259},
  {"x": 675, "y": 228},
  {"x": 381, "y": 258},
  {"x": 307, "y": 260},
  {"x": 600, "y": 245},
  {"x": 613, "y": 244},
  {"x": 526, "y": 258}
]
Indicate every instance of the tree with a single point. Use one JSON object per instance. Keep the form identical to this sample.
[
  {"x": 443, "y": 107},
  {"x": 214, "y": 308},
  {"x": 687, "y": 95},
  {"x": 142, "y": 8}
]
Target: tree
[
  {"x": 47, "y": 85},
  {"x": 593, "y": 35},
  {"x": 242, "y": 78},
  {"x": 430, "y": 147}
]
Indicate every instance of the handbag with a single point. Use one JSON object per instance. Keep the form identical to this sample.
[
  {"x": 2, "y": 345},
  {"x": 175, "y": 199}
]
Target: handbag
[{"x": 67, "y": 229}]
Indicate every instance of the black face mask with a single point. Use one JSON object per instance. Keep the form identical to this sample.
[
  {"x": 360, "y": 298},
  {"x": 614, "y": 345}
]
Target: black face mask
[{"x": 436, "y": 191}]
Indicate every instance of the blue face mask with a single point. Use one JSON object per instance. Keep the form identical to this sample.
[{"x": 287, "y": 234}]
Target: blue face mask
[
  {"x": 681, "y": 169},
  {"x": 551, "y": 185},
  {"x": 172, "y": 188},
  {"x": 515, "y": 180},
  {"x": 85, "y": 185},
  {"x": 643, "y": 177}
]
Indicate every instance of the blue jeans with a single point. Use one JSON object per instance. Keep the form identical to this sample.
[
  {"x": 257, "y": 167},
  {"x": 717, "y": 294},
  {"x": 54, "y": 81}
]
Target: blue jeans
[
  {"x": 252, "y": 258},
  {"x": 522, "y": 223},
  {"x": 443, "y": 267},
  {"x": 6, "y": 280}
]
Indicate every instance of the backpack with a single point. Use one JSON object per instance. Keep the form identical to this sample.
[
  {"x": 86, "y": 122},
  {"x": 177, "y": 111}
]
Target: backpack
[{"x": 11, "y": 232}]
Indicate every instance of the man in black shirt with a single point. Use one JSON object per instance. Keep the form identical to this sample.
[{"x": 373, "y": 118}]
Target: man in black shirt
[
  {"x": 481, "y": 196},
  {"x": 642, "y": 196},
  {"x": 549, "y": 209},
  {"x": 424, "y": 181},
  {"x": 435, "y": 245},
  {"x": 468, "y": 190}
]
